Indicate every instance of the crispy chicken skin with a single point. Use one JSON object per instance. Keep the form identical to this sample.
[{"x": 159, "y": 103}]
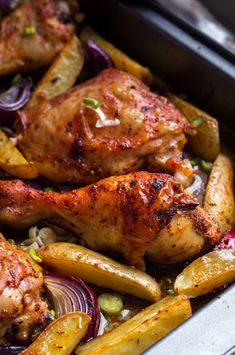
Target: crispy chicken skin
[
  {"x": 135, "y": 214},
  {"x": 60, "y": 135},
  {"x": 22, "y": 52},
  {"x": 21, "y": 281}
]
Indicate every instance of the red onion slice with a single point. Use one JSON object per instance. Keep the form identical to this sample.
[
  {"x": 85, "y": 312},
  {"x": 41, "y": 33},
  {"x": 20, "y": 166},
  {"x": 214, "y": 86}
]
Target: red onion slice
[
  {"x": 70, "y": 294},
  {"x": 228, "y": 240},
  {"x": 96, "y": 59}
]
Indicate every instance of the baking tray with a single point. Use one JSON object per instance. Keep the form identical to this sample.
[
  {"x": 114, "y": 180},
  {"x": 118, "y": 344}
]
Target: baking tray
[
  {"x": 187, "y": 63},
  {"x": 178, "y": 57}
]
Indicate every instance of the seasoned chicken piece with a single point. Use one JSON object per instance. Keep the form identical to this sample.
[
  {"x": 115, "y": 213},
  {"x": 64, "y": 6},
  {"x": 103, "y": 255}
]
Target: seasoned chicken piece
[
  {"x": 132, "y": 215},
  {"x": 21, "y": 306},
  {"x": 68, "y": 141},
  {"x": 32, "y": 35}
]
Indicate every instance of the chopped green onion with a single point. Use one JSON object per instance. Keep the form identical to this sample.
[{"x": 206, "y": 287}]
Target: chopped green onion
[
  {"x": 16, "y": 79},
  {"x": 16, "y": 3},
  {"x": 170, "y": 292},
  {"x": 34, "y": 256},
  {"x": 197, "y": 121},
  {"x": 110, "y": 303},
  {"x": 11, "y": 241},
  {"x": 48, "y": 189},
  {"x": 206, "y": 166},
  {"x": 72, "y": 240},
  {"x": 195, "y": 162},
  {"x": 28, "y": 31},
  {"x": 52, "y": 311},
  {"x": 93, "y": 103}
]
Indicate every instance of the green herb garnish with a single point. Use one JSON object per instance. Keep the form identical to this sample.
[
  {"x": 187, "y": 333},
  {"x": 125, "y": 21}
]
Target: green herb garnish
[
  {"x": 170, "y": 292},
  {"x": 206, "y": 166},
  {"x": 93, "y": 103},
  {"x": 48, "y": 189},
  {"x": 197, "y": 121},
  {"x": 34, "y": 256},
  {"x": 11, "y": 241},
  {"x": 52, "y": 311},
  {"x": 16, "y": 79},
  {"x": 110, "y": 303},
  {"x": 16, "y": 3},
  {"x": 29, "y": 31}
]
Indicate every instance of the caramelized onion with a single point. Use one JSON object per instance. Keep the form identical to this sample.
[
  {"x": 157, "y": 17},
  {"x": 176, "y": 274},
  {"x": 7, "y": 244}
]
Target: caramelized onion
[{"x": 70, "y": 294}]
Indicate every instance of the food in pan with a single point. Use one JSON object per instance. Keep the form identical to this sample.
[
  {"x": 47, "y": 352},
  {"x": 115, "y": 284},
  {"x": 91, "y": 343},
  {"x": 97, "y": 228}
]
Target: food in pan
[
  {"x": 126, "y": 208},
  {"x": 113, "y": 125}
]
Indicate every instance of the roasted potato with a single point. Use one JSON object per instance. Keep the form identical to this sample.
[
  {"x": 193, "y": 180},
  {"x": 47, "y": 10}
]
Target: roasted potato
[
  {"x": 143, "y": 330},
  {"x": 120, "y": 59},
  {"x": 206, "y": 273},
  {"x": 13, "y": 162},
  {"x": 219, "y": 196},
  {"x": 206, "y": 142},
  {"x": 61, "y": 336},
  {"x": 62, "y": 74},
  {"x": 71, "y": 259}
]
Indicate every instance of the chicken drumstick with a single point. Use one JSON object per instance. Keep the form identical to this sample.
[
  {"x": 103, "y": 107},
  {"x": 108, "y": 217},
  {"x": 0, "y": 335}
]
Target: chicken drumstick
[{"x": 135, "y": 214}]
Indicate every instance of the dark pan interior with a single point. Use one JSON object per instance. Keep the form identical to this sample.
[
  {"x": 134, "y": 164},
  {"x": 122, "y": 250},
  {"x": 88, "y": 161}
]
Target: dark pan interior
[{"x": 209, "y": 81}]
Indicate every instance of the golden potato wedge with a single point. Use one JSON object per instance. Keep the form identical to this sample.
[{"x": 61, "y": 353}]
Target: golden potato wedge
[
  {"x": 206, "y": 273},
  {"x": 219, "y": 196},
  {"x": 61, "y": 336},
  {"x": 143, "y": 330},
  {"x": 120, "y": 59},
  {"x": 71, "y": 259},
  {"x": 62, "y": 74},
  {"x": 206, "y": 143},
  {"x": 13, "y": 162}
]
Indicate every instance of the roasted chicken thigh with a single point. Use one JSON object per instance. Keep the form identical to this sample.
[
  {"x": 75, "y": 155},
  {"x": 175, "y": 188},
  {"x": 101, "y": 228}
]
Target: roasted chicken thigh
[
  {"x": 32, "y": 35},
  {"x": 21, "y": 306},
  {"x": 135, "y": 214},
  {"x": 69, "y": 141}
]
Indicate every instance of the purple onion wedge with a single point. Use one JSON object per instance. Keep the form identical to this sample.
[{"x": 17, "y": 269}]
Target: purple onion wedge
[
  {"x": 11, "y": 349},
  {"x": 70, "y": 294},
  {"x": 9, "y": 5},
  {"x": 96, "y": 59},
  {"x": 13, "y": 99}
]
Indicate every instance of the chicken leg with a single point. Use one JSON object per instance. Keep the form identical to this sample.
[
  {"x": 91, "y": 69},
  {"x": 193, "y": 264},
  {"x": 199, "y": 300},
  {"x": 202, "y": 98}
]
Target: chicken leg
[
  {"x": 134, "y": 215},
  {"x": 32, "y": 35},
  {"x": 21, "y": 306},
  {"x": 67, "y": 142}
]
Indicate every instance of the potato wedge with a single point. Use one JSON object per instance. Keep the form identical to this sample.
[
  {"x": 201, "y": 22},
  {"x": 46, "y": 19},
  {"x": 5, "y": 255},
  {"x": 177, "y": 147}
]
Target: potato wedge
[
  {"x": 219, "y": 196},
  {"x": 120, "y": 59},
  {"x": 206, "y": 143},
  {"x": 206, "y": 273},
  {"x": 13, "y": 162},
  {"x": 143, "y": 330},
  {"x": 62, "y": 74},
  {"x": 61, "y": 336},
  {"x": 67, "y": 258}
]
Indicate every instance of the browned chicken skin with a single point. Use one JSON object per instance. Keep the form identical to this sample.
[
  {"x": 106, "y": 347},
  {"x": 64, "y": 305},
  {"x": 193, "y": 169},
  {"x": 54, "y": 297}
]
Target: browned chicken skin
[
  {"x": 21, "y": 281},
  {"x": 20, "y": 51},
  {"x": 134, "y": 215},
  {"x": 62, "y": 138}
]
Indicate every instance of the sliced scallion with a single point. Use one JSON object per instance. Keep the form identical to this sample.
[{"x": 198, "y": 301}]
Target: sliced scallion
[
  {"x": 93, "y": 103},
  {"x": 197, "y": 121},
  {"x": 34, "y": 256},
  {"x": 29, "y": 31},
  {"x": 206, "y": 166},
  {"x": 110, "y": 303}
]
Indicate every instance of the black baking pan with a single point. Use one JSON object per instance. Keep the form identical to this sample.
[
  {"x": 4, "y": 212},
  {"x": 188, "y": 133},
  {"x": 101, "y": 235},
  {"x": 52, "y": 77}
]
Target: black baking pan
[
  {"x": 191, "y": 63},
  {"x": 177, "y": 56}
]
